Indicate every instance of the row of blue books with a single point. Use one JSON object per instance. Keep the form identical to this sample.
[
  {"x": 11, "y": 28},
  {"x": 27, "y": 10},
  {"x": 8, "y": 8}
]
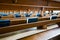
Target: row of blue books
[
  {"x": 29, "y": 20},
  {"x": 18, "y": 15}
]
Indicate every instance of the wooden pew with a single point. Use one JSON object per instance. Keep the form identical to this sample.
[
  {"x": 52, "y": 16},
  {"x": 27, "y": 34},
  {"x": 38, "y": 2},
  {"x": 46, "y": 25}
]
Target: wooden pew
[
  {"x": 15, "y": 21},
  {"x": 22, "y": 20},
  {"x": 29, "y": 25}
]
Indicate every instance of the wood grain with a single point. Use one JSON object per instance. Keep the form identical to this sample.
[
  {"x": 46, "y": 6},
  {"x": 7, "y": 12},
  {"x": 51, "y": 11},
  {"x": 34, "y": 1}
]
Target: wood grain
[{"x": 24, "y": 26}]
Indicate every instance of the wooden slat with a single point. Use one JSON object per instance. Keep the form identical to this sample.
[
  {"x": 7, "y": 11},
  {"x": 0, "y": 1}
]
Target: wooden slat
[
  {"x": 53, "y": 3},
  {"x": 33, "y": 2},
  {"x": 22, "y": 6}
]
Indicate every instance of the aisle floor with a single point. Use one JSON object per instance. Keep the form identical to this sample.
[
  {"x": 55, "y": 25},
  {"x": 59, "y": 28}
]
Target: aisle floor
[{"x": 44, "y": 35}]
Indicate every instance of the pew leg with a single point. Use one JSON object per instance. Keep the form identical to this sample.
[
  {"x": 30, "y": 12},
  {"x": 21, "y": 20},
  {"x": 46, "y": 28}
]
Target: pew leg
[
  {"x": 42, "y": 27},
  {"x": 58, "y": 24}
]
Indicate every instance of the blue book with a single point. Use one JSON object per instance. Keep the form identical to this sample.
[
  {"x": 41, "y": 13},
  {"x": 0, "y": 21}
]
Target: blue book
[
  {"x": 4, "y": 23},
  {"x": 53, "y": 17},
  {"x": 17, "y": 15},
  {"x": 30, "y": 20}
]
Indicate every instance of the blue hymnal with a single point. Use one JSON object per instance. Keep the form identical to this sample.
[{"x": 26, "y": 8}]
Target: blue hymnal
[
  {"x": 38, "y": 15},
  {"x": 4, "y": 23},
  {"x": 30, "y": 20},
  {"x": 53, "y": 17},
  {"x": 26, "y": 15},
  {"x": 17, "y": 15},
  {"x": 4, "y": 15}
]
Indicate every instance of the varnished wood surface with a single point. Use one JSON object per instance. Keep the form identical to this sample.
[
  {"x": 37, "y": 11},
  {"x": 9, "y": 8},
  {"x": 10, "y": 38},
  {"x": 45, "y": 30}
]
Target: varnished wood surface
[
  {"x": 21, "y": 20},
  {"x": 24, "y": 26},
  {"x": 33, "y": 2},
  {"x": 44, "y": 35},
  {"x": 20, "y": 23},
  {"x": 12, "y": 6},
  {"x": 14, "y": 21}
]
